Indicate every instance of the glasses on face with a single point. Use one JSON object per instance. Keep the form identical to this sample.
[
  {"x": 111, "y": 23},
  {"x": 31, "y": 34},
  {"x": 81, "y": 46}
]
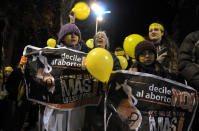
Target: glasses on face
[{"x": 154, "y": 29}]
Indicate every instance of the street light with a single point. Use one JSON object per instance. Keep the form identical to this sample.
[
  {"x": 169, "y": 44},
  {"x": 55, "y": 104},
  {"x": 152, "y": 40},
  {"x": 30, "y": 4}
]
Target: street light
[
  {"x": 99, "y": 11},
  {"x": 98, "y": 18}
]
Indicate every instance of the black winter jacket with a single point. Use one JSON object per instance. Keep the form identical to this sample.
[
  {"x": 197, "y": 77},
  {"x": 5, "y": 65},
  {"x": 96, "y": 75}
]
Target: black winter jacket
[
  {"x": 189, "y": 59},
  {"x": 13, "y": 82}
]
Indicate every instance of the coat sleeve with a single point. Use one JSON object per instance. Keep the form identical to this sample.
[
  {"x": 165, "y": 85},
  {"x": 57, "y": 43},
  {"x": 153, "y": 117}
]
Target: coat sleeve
[{"x": 187, "y": 67}]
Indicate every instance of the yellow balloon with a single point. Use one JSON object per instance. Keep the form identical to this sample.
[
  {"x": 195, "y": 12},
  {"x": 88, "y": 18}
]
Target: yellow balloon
[
  {"x": 99, "y": 63},
  {"x": 123, "y": 62},
  {"x": 81, "y": 10},
  {"x": 51, "y": 42},
  {"x": 90, "y": 43},
  {"x": 130, "y": 43}
]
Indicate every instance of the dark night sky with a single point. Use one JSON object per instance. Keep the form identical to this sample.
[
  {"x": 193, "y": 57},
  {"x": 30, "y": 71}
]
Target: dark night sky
[
  {"x": 134, "y": 16},
  {"x": 130, "y": 17},
  {"x": 179, "y": 17},
  {"x": 127, "y": 17}
]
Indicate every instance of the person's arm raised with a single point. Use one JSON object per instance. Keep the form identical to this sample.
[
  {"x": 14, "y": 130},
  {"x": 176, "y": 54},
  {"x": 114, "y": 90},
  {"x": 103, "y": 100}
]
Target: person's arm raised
[{"x": 72, "y": 17}]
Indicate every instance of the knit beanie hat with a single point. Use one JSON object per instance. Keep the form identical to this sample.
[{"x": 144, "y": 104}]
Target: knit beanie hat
[
  {"x": 8, "y": 68},
  {"x": 144, "y": 45},
  {"x": 67, "y": 29}
]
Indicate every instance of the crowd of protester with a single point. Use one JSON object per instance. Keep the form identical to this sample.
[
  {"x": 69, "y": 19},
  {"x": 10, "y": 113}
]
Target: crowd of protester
[{"x": 158, "y": 55}]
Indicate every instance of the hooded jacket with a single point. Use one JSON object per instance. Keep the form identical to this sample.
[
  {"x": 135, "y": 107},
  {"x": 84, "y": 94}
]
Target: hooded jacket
[{"x": 71, "y": 28}]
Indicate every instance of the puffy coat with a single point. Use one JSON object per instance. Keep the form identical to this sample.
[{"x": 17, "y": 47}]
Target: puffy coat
[{"x": 189, "y": 59}]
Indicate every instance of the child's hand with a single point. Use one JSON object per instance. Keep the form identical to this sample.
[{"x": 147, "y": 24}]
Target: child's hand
[{"x": 72, "y": 17}]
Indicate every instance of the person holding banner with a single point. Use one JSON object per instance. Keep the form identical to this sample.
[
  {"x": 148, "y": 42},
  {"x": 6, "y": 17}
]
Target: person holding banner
[
  {"x": 189, "y": 64},
  {"x": 70, "y": 37},
  {"x": 71, "y": 120},
  {"x": 145, "y": 55}
]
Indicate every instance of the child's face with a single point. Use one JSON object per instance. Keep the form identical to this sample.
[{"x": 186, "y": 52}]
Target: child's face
[
  {"x": 147, "y": 57},
  {"x": 71, "y": 39}
]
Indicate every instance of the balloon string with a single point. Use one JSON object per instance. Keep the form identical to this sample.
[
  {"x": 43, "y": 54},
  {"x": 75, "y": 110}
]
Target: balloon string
[
  {"x": 105, "y": 103},
  {"x": 105, "y": 98}
]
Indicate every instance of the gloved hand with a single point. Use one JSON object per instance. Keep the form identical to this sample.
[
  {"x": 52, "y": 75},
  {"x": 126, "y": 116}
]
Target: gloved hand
[{"x": 23, "y": 60}]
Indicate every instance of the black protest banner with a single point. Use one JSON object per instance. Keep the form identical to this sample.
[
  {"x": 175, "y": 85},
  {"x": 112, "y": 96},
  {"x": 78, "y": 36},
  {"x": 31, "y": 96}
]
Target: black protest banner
[
  {"x": 155, "y": 104},
  {"x": 57, "y": 77}
]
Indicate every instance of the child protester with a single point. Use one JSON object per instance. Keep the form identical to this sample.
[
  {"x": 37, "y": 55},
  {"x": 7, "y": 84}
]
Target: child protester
[{"x": 145, "y": 55}]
